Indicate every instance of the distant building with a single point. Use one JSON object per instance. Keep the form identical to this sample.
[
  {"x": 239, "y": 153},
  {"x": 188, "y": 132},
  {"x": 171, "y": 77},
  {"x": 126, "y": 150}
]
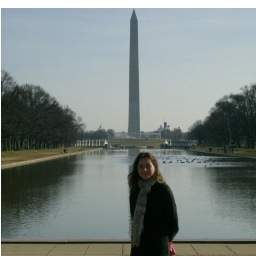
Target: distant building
[
  {"x": 160, "y": 129},
  {"x": 165, "y": 128},
  {"x": 151, "y": 135}
]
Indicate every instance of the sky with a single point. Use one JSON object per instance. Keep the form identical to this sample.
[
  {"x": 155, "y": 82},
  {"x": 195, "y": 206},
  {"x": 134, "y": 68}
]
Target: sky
[{"x": 189, "y": 58}]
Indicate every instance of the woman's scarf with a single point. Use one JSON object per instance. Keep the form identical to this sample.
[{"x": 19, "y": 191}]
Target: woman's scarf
[{"x": 140, "y": 209}]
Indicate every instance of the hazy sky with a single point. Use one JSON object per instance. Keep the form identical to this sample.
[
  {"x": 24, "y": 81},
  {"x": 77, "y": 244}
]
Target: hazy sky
[{"x": 188, "y": 59}]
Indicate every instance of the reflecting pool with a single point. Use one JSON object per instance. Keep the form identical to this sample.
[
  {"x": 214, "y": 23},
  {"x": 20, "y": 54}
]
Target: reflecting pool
[{"x": 86, "y": 196}]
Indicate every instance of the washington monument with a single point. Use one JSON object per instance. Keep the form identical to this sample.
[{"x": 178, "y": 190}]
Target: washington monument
[{"x": 134, "y": 96}]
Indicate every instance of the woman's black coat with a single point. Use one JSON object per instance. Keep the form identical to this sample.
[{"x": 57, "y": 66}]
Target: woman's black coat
[{"x": 160, "y": 221}]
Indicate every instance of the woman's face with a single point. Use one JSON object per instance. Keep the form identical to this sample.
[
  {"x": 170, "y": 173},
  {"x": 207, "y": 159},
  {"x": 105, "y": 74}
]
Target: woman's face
[{"x": 146, "y": 169}]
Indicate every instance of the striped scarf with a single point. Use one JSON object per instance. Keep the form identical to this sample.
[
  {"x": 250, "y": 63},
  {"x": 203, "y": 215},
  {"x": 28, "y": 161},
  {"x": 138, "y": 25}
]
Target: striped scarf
[{"x": 140, "y": 209}]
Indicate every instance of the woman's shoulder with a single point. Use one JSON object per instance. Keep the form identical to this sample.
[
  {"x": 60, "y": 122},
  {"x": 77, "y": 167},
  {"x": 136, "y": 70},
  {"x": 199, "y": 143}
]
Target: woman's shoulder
[
  {"x": 164, "y": 191},
  {"x": 162, "y": 186}
]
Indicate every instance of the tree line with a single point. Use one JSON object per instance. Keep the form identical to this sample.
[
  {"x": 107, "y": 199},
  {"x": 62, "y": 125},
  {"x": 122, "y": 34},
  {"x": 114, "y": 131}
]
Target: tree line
[
  {"x": 32, "y": 119},
  {"x": 230, "y": 123}
]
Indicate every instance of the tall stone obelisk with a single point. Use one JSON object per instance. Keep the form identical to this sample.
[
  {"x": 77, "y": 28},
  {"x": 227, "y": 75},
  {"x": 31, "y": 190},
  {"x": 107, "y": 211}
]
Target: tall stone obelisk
[{"x": 134, "y": 96}]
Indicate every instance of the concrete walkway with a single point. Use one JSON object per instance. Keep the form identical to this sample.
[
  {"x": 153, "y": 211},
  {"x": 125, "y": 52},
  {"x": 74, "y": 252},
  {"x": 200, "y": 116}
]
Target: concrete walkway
[{"x": 122, "y": 249}]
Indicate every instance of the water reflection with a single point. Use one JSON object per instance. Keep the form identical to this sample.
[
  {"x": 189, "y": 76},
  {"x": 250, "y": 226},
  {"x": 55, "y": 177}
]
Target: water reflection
[
  {"x": 30, "y": 191},
  {"x": 86, "y": 196},
  {"x": 235, "y": 195}
]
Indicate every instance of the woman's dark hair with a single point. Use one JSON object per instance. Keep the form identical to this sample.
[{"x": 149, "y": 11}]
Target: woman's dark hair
[{"x": 133, "y": 176}]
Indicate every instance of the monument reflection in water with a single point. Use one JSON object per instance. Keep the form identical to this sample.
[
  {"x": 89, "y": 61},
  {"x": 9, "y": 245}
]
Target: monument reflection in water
[{"x": 86, "y": 196}]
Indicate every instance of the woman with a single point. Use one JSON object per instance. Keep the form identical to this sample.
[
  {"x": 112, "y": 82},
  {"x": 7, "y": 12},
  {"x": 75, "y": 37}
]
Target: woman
[{"x": 154, "y": 219}]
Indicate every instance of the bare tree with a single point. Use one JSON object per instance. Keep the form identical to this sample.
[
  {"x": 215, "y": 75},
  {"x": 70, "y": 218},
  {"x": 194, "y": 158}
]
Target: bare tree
[
  {"x": 31, "y": 118},
  {"x": 231, "y": 120}
]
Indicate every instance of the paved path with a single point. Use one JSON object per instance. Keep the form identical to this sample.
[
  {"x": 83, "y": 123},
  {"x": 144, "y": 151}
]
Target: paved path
[{"x": 122, "y": 249}]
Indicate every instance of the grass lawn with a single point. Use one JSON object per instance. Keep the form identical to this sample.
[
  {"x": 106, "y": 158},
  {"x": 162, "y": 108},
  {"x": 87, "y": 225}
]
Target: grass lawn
[
  {"x": 137, "y": 142},
  {"x": 236, "y": 151},
  {"x": 8, "y": 157}
]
